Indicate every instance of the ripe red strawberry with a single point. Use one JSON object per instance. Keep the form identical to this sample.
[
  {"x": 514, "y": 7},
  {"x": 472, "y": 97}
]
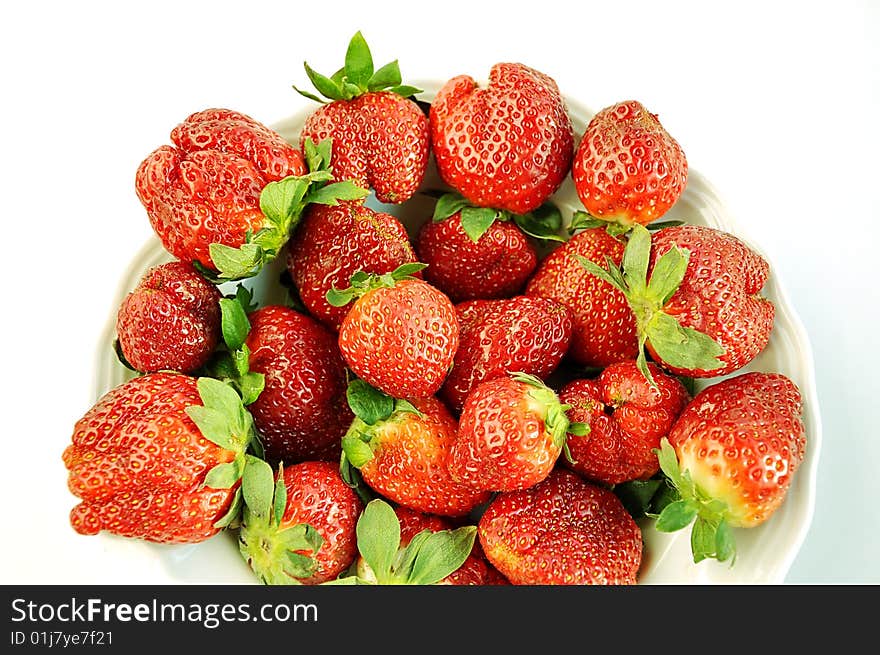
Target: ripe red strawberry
[
  {"x": 170, "y": 321},
  {"x": 694, "y": 294},
  {"x": 159, "y": 458},
  {"x": 230, "y": 190},
  {"x": 626, "y": 416},
  {"x": 391, "y": 553},
  {"x": 305, "y": 531},
  {"x": 401, "y": 453},
  {"x": 333, "y": 243},
  {"x": 400, "y": 335},
  {"x": 508, "y": 146},
  {"x": 627, "y": 168},
  {"x": 474, "y": 571},
  {"x": 494, "y": 265},
  {"x": 563, "y": 530},
  {"x": 510, "y": 434},
  {"x": 302, "y": 412},
  {"x": 525, "y": 334},
  {"x": 732, "y": 455},
  {"x": 381, "y": 137},
  {"x": 604, "y": 330}
]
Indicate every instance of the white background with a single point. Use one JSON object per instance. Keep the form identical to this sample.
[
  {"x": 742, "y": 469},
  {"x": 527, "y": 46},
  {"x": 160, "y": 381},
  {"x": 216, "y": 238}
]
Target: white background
[{"x": 776, "y": 103}]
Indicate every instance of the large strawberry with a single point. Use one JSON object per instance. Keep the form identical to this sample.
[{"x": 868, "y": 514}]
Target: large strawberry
[
  {"x": 475, "y": 571},
  {"x": 333, "y": 243},
  {"x": 301, "y": 412},
  {"x": 401, "y": 448},
  {"x": 525, "y": 334},
  {"x": 695, "y": 296},
  {"x": 627, "y": 168},
  {"x": 170, "y": 320},
  {"x": 229, "y": 191},
  {"x": 302, "y": 530},
  {"x": 563, "y": 530},
  {"x": 626, "y": 416},
  {"x": 400, "y": 335},
  {"x": 732, "y": 455},
  {"x": 604, "y": 330},
  {"x": 508, "y": 146},
  {"x": 511, "y": 432},
  {"x": 160, "y": 458},
  {"x": 381, "y": 137}
]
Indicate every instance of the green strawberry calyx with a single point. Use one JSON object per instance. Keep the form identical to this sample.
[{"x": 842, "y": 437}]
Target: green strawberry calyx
[
  {"x": 582, "y": 220},
  {"x": 282, "y": 204},
  {"x": 362, "y": 282},
  {"x": 426, "y": 560},
  {"x": 675, "y": 345},
  {"x": 544, "y": 402},
  {"x": 224, "y": 421},
  {"x": 357, "y": 76},
  {"x": 711, "y": 535},
  {"x": 278, "y": 555},
  {"x": 544, "y": 223}
]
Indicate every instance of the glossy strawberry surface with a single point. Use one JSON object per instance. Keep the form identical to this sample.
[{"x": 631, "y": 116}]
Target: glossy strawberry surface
[
  {"x": 302, "y": 412},
  {"x": 563, "y": 530},
  {"x": 205, "y": 188},
  {"x": 508, "y": 145}
]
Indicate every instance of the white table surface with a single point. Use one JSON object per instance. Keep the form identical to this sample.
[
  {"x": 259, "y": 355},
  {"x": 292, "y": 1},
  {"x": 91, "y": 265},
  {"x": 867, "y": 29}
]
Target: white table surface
[{"x": 776, "y": 103}]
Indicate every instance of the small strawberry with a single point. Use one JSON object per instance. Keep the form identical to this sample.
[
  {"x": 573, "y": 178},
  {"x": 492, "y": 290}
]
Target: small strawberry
[
  {"x": 472, "y": 255},
  {"x": 732, "y": 455},
  {"x": 563, "y": 530},
  {"x": 381, "y": 137},
  {"x": 626, "y": 416},
  {"x": 474, "y": 571},
  {"x": 604, "y": 330},
  {"x": 389, "y": 555},
  {"x": 301, "y": 412},
  {"x": 511, "y": 432},
  {"x": 521, "y": 333},
  {"x": 401, "y": 448},
  {"x": 333, "y": 243},
  {"x": 302, "y": 530},
  {"x": 508, "y": 146},
  {"x": 695, "y": 296},
  {"x": 627, "y": 168},
  {"x": 170, "y": 321},
  {"x": 400, "y": 335},
  {"x": 228, "y": 193},
  {"x": 160, "y": 458}
]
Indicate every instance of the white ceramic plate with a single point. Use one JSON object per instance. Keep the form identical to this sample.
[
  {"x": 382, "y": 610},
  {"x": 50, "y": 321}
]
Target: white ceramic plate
[{"x": 764, "y": 554}]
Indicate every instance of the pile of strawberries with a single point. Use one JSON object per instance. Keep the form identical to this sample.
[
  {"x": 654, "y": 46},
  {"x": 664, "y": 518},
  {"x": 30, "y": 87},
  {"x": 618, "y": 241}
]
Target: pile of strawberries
[{"x": 453, "y": 407}]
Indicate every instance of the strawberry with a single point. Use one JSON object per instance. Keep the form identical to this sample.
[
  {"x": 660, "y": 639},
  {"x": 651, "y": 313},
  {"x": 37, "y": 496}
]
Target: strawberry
[
  {"x": 511, "y": 432},
  {"x": 391, "y": 553},
  {"x": 494, "y": 263},
  {"x": 229, "y": 191},
  {"x": 160, "y": 458},
  {"x": 522, "y": 333},
  {"x": 694, "y": 293},
  {"x": 170, "y": 320},
  {"x": 604, "y": 330},
  {"x": 626, "y": 416},
  {"x": 301, "y": 412},
  {"x": 474, "y": 571},
  {"x": 303, "y": 530},
  {"x": 381, "y": 137},
  {"x": 732, "y": 455},
  {"x": 401, "y": 448},
  {"x": 627, "y": 168},
  {"x": 563, "y": 530},
  {"x": 333, "y": 243},
  {"x": 400, "y": 335},
  {"x": 508, "y": 146}
]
